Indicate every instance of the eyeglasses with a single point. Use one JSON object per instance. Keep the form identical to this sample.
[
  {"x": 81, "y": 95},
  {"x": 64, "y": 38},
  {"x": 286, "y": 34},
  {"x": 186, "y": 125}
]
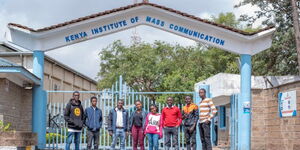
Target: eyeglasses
[{"x": 76, "y": 95}]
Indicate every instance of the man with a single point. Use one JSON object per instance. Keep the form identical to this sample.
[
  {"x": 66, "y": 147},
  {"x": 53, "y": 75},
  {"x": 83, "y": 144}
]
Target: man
[
  {"x": 207, "y": 112},
  {"x": 171, "y": 118},
  {"x": 117, "y": 124},
  {"x": 93, "y": 123},
  {"x": 74, "y": 116},
  {"x": 190, "y": 117}
]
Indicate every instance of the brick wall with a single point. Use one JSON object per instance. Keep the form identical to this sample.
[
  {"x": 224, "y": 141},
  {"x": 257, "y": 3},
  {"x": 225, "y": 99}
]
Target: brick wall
[
  {"x": 269, "y": 131},
  {"x": 15, "y": 105}
]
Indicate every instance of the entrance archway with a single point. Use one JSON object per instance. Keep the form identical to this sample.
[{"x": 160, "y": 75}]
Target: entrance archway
[{"x": 97, "y": 25}]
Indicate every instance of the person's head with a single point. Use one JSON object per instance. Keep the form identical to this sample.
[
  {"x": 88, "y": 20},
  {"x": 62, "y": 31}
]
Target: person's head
[
  {"x": 153, "y": 108},
  {"x": 76, "y": 95},
  {"x": 188, "y": 100},
  {"x": 94, "y": 101},
  {"x": 202, "y": 93},
  {"x": 170, "y": 101},
  {"x": 138, "y": 104},
  {"x": 120, "y": 103}
]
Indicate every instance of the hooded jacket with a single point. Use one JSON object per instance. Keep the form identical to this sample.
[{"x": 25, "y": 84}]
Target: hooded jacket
[{"x": 74, "y": 115}]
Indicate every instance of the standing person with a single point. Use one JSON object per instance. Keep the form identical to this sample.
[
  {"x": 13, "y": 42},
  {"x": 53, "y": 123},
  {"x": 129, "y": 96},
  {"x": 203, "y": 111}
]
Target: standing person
[
  {"x": 93, "y": 123},
  {"x": 172, "y": 118},
  {"x": 74, "y": 116},
  {"x": 190, "y": 118},
  {"x": 207, "y": 112},
  {"x": 153, "y": 127},
  {"x": 117, "y": 124},
  {"x": 136, "y": 124}
]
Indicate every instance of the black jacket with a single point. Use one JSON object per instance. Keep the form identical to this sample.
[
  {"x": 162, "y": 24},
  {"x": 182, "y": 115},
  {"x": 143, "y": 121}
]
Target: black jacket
[{"x": 74, "y": 115}]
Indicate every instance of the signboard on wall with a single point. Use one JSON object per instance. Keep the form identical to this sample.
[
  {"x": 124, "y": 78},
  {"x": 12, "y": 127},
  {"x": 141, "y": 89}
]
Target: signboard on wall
[{"x": 287, "y": 104}]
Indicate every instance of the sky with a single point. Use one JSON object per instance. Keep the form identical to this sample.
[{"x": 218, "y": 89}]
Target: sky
[{"x": 84, "y": 56}]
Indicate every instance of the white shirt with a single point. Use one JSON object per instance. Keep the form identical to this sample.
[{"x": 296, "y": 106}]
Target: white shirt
[{"x": 119, "y": 122}]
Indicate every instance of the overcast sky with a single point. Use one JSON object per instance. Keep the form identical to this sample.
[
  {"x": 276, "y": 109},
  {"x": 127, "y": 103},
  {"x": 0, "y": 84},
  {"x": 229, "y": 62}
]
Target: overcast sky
[{"x": 84, "y": 56}]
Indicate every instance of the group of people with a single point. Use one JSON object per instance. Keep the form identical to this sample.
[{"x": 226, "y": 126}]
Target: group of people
[{"x": 140, "y": 123}]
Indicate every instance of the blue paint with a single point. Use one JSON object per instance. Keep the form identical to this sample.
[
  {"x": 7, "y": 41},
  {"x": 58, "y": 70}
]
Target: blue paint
[
  {"x": 234, "y": 99},
  {"x": 39, "y": 100},
  {"x": 23, "y": 72},
  {"x": 244, "y": 120}
]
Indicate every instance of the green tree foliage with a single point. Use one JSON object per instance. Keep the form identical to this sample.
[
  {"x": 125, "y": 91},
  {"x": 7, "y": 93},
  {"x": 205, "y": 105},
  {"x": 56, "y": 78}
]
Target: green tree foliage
[
  {"x": 281, "y": 58},
  {"x": 164, "y": 67}
]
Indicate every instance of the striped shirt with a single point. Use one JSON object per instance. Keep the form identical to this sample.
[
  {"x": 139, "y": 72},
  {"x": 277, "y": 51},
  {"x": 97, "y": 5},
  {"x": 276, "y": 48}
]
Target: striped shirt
[{"x": 207, "y": 110}]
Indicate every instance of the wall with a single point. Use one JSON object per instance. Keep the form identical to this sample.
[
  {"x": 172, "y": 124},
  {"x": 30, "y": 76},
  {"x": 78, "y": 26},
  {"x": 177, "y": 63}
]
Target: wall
[
  {"x": 269, "y": 131},
  {"x": 15, "y": 105}
]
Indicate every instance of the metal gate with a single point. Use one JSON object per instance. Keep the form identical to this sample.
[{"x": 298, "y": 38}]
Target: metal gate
[{"x": 107, "y": 99}]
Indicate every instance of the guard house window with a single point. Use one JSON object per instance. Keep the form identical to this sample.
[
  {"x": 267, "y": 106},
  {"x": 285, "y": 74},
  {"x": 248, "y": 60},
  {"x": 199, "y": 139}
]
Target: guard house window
[{"x": 222, "y": 117}]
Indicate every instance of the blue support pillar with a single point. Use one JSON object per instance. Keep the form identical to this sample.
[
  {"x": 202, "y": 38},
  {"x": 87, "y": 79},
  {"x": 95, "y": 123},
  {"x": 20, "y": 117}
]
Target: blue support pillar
[
  {"x": 197, "y": 101},
  {"x": 39, "y": 101},
  {"x": 244, "y": 107}
]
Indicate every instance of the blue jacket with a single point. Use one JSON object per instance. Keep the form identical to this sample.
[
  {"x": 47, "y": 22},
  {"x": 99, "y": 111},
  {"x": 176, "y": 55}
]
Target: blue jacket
[
  {"x": 112, "y": 120},
  {"x": 144, "y": 114},
  {"x": 93, "y": 118}
]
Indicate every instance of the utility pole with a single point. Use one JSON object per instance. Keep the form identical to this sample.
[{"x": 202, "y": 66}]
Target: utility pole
[{"x": 297, "y": 30}]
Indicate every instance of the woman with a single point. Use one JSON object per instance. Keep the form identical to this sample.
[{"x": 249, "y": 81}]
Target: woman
[
  {"x": 153, "y": 127},
  {"x": 136, "y": 124}
]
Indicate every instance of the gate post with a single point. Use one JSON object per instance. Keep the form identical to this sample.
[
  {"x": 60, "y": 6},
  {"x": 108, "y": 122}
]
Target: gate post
[
  {"x": 197, "y": 101},
  {"x": 244, "y": 107},
  {"x": 39, "y": 100}
]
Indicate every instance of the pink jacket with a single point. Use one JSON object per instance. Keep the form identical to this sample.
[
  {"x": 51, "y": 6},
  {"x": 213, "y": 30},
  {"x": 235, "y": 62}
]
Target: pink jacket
[{"x": 154, "y": 124}]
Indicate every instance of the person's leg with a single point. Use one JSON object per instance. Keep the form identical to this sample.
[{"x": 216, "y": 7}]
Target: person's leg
[
  {"x": 187, "y": 137},
  {"x": 150, "y": 140},
  {"x": 206, "y": 128},
  {"x": 89, "y": 135},
  {"x": 77, "y": 140},
  {"x": 114, "y": 140},
  {"x": 167, "y": 138},
  {"x": 155, "y": 138},
  {"x": 193, "y": 140},
  {"x": 69, "y": 140},
  {"x": 134, "y": 133},
  {"x": 202, "y": 136},
  {"x": 141, "y": 138},
  {"x": 122, "y": 138},
  {"x": 175, "y": 138},
  {"x": 96, "y": 139}
]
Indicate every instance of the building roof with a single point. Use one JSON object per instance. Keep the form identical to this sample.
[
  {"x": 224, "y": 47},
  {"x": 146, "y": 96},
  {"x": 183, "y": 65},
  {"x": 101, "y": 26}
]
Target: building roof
[
  {"x": 18, "y": 51},
  {"x": 133, "y": 6},
  {"x": 16, "y": 73}
]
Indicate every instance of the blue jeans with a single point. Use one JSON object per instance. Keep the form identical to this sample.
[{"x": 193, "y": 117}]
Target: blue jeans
[
  {"x": 120, "y": 133},
  {"x": 76, "y": 140},
  {"x": 153, "y": 141}
]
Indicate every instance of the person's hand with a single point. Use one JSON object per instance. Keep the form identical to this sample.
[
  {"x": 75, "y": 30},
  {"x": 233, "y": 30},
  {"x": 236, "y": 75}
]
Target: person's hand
[
  {"x": 207, "y": 121},
  {"x": 110, "y": 133}
]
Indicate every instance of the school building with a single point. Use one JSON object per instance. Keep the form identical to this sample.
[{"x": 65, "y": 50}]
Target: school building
[{"x": 17, "y": 80}]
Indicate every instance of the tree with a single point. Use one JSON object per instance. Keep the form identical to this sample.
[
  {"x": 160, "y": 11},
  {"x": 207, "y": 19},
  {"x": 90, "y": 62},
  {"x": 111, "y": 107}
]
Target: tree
[
  {"x": 164, "y": 67},
  {"x": 281, "y": 58}
]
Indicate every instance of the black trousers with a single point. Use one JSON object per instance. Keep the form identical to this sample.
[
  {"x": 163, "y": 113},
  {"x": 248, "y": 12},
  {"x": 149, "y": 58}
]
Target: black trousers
[
  {"x": 92, "y": 136},
  {"x": 190, "y": 138},
  {"x": 168, "y": 132},
  {"x": 205, "y": 135}
]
